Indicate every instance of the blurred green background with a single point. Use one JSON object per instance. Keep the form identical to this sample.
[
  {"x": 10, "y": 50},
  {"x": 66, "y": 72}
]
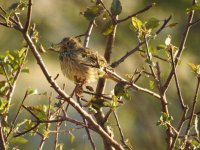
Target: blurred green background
[{"x": 57, "y": 19}]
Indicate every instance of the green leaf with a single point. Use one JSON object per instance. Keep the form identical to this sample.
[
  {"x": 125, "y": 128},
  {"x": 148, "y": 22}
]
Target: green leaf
[
  {"x": 25, "y": 70},
  {"x": 92, "y": 110},
  {"x": 93, "y": 11},
  {"x": 107, "y": 28},
  {"x": 150, "y": 62},
  {"x": 89, "y": 88},
  {"x": 72, "y": 137},
  {"x": 151, "y": 84},
  {"x": 19, "y": 140},
  {"x": 13, "y": 6},
  {"x": 152, "y": 23},
  {"x": 161, "y": 47},
  {"x": 116, "y": 7},
  {"x": 136, "y": 24},
  {"x": 172, "y": 25},
  {"x": 32, "y": 92},
  {"x": 120, "y": 89},
  {"x": 40, "y": 111},
  {"x": 195, "y": 68},
  {"x": 195, "y": 7},
  {"x": 127, "y": 96}
]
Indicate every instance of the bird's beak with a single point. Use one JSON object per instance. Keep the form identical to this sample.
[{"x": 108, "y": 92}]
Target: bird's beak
[{"x": 55, "y": 47}]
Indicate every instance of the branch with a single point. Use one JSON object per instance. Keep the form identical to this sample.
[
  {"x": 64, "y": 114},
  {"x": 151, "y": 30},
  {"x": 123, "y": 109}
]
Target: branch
[
  {"x": 17, "y": 114},
  {"x": 88, "y": 33},
  {"x": 193, "y": 109},
  {"x": 195, "y": 22},
  {"x": 137, "y": 48},
  {"x": 28, "y": 20},
  {"x": 177, "y": 82},
  {"x": 137, "y": 13},
  {"x": 123, "y": 58},
  {"x": 120, "y": 131},
  {"x": 181, "y": 48}
]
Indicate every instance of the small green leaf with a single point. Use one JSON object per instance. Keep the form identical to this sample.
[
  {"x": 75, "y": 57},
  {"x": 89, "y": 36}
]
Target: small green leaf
[
  {"x": 93, "y": 11},
  {"x": 137, "y": 24},
  {"x": 152, "y": 23},
  {"x": 20, "y": 140},
  {"x": 195, "y": 68},
  {"x": 89, "y": 88},
  {"x": 150, "y": 62},
  {"x": 116, "y": 7},
  {"x": 72, "y": 137},
  {"x": 127, "y": 96},
  {"x": 25, "y": 70},
  {"x": 92, "y": 110},
  {"x": 32, "y": 92},
  {"x": 161, "y": 47},
  {"x": 120, "y": 89},
  {"x": 151, "y": 84},
  {"x": 58, "y": 104},
  {"x": 107, "y": 28},
  {"x": 172, "y": 25}
]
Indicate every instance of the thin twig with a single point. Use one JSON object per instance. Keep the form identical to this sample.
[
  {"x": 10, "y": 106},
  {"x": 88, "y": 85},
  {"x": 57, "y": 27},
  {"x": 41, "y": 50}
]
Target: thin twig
[
  {"x": 195, "y": 22},
  {"x": 7, "y": 78},
  {"x": 88, "y": 33},
  {"x": 120, "y": 131},
  {"x": 177, "y": 82},
  {"x": 27, "y": 131},
  {"x": 193, "y": 109},
  {"x": 17, "y": 114},
  {"x": 137, "y": 13},
  {"x": 86, "y": 128},
  {"x": 181, "y": 48},
  {"x": 137, "y": 48}
]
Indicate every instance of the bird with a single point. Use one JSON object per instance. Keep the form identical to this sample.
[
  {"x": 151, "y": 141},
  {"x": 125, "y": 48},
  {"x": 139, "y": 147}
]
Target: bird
[{"x": 78, "y": 63}]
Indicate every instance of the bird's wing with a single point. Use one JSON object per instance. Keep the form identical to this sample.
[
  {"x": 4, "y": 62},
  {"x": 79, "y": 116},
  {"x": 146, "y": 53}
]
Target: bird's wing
[{"x": 89, "y": 57}]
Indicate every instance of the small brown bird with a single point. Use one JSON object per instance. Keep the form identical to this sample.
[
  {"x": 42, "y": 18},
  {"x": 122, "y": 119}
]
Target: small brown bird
[{"x": 78, "y": 63}]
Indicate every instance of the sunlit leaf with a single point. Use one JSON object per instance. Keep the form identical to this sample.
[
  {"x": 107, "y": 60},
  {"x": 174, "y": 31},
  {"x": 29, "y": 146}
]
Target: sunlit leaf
[
  {"x": 116, "y": 7},
  {"x": 161, "y": 47},
  {"x": 136, "y": 23},
  {"x": 25, "y": 70},
  {"x": 195, "y": 68},
  {"x": 32, "y": 92},
  {"x": 151, "y": 84},
  {"x": 172, "y": 25},
  {"x": 19, "y": 140},
  {"x": 72, "y": 137},
  {"x": 107, "y": 28}
]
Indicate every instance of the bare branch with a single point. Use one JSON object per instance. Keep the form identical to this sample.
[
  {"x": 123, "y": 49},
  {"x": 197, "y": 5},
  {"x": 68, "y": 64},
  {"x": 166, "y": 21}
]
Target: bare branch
[
  {"x": 193, "y": 109},
  {"x": 137, "y": 13},
  {"x": 177, "y": 82},
  {"x": 120, "y": 131},
  {"x": 28, "y": 20},
  {"x": 181, "y": 48}
]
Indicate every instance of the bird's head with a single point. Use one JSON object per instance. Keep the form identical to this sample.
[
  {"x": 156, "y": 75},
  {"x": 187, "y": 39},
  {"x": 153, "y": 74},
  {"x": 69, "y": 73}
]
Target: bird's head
[{"x": 67, "y": 44}]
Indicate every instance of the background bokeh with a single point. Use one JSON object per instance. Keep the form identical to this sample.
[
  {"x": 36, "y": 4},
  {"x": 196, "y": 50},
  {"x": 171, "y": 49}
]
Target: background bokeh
[{"x": 57, "y": 19}]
